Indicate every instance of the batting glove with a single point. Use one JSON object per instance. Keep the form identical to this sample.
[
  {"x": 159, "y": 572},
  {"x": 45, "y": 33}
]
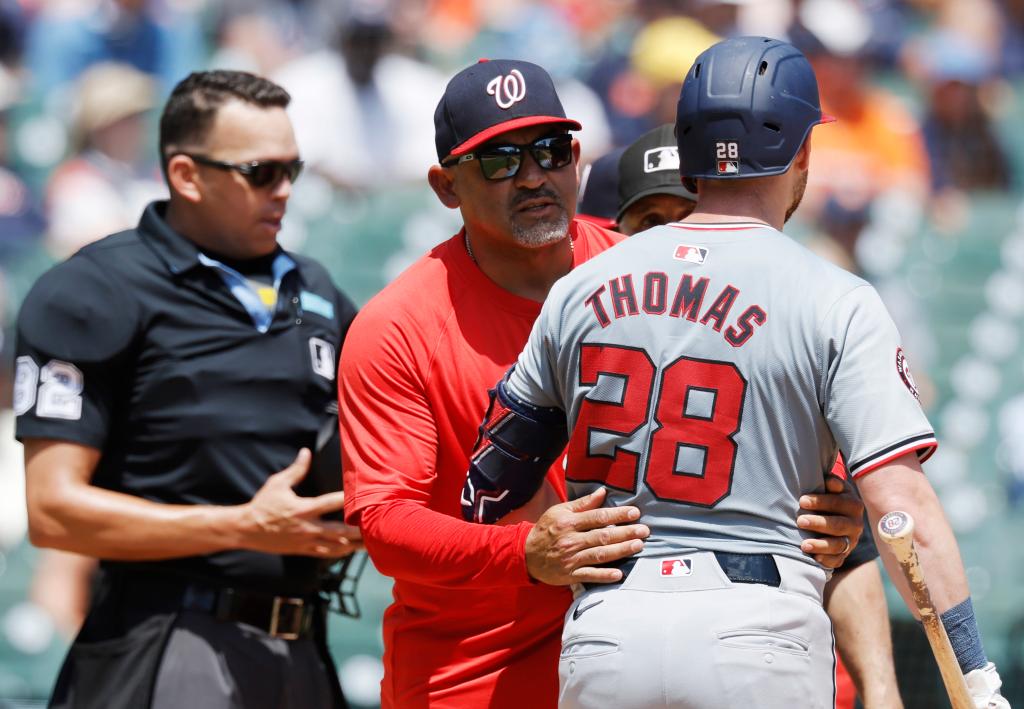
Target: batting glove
[{"x": 983, "y": 684}]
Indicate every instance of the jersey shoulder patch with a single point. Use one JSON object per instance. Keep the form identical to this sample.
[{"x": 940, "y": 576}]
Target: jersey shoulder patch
[{"x": 903, "y": 368}]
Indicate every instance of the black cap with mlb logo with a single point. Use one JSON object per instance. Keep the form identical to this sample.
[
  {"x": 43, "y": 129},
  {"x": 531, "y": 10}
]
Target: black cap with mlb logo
[
  {"x": 651, "y": 166},
  {"x": 493, "y": 97}
]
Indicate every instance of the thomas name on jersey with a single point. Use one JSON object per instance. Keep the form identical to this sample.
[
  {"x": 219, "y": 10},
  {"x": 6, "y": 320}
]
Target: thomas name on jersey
[{"x": 620, "y": 298}]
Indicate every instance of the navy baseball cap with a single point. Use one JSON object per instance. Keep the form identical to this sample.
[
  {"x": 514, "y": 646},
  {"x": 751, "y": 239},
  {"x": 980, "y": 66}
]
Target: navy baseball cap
[{"x": 493, "y": 97}]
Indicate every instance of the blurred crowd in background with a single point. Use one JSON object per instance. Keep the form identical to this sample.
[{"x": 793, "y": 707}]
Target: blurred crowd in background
[
  {"x": 918, "y": 87},
  {"x": 917, "y": 185}
]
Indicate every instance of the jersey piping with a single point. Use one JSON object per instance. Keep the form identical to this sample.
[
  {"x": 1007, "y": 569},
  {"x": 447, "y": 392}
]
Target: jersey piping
[
  {"x": 720, "y": 226},
  {"x": 924, "y": 445}
]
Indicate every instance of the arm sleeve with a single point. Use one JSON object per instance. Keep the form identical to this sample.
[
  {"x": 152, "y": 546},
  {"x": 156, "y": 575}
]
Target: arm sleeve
[
  {"x": 388, "y": 433},
  {"x": 868, "y": 396},
  {"x": 390, "y": 446},
  {"x": 414, "y": 543},
  {"x": 75, "y": 331}
]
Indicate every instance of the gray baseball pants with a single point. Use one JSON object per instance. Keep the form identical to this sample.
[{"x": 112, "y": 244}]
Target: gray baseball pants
[{"x": 685, "y": 636}]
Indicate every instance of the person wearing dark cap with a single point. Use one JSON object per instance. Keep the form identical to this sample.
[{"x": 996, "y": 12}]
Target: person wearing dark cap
[
  {"x": 638, "y": 187},
  {"x": 651, "y": 192},
  {"x": 470, "y": 627},
  {"x": 468, "y": 624},
  {"x": 599, "y": 191}
]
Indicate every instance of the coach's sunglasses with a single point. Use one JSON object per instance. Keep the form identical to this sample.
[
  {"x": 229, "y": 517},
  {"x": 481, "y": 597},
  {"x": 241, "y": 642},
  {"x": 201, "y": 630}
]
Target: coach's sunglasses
[
  {"x": 259, "y": 173},
  {"x": 499, "y": 162}
]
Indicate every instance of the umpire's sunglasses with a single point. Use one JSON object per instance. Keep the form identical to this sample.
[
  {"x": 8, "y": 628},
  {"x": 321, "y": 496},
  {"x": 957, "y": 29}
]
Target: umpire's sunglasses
[
  {"x": 259, "y": 173},
  {"x": 499, "y": 162}
]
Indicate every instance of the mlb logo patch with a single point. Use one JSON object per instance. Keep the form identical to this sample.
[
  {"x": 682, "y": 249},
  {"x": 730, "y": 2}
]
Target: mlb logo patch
[
  {"x": 664, "y": 158},
  {"x": 691, "y": 254},
  {"x": 676, "y": 567},
  {"x": 728, "y": 167}
]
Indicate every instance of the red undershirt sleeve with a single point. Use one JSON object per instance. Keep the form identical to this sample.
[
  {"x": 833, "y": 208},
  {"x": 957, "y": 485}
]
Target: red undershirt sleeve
[
  {"x": 414, "y": 543},
  {"x": 390, "y": 448}
]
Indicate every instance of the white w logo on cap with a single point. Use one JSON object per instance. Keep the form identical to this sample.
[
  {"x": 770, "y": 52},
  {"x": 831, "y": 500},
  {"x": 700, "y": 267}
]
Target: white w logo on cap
[{"x": 507, "y": 90}]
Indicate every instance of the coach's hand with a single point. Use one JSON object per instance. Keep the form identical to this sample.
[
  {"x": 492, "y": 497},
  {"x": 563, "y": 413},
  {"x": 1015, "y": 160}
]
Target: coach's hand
[
  {"x": 278, "y": 521},
  {"x": 571, "y": 538},
  {"x": 841, "y": 523}
]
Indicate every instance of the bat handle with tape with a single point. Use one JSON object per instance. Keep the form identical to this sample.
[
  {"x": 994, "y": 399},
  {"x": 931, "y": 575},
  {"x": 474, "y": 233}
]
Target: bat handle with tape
[{"x": 896, "y": 529}]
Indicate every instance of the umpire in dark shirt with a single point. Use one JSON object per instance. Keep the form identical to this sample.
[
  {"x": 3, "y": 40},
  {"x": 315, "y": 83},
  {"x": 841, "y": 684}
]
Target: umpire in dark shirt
[{"x": 172, "y": 382}]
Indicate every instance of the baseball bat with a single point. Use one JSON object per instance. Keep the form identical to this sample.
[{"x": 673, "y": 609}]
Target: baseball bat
[{"x": 897, "y": 531}]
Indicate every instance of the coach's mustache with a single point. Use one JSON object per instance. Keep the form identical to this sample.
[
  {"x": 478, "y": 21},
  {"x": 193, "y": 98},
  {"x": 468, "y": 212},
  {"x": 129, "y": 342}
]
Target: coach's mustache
[{"x": 524, "y": 196}]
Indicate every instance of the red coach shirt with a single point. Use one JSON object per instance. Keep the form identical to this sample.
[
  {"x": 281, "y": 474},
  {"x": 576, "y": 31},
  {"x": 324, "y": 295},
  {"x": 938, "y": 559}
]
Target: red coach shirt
[{"x": 467, "y": 626}]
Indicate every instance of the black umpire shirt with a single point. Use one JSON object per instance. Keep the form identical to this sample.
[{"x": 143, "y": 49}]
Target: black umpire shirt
[{"x": 137, "y": 346}]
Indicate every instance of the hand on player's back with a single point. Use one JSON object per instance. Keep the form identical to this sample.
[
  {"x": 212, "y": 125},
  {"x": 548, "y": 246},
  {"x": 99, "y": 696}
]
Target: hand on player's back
[
  {"x": 841, "y": 522},
  {"x": 278, "y": 521},
  {"x": 572, "y": 537}
]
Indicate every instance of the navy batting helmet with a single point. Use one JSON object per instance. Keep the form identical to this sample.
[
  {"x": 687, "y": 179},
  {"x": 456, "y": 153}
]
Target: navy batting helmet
[{"x": 746, "y": 107}]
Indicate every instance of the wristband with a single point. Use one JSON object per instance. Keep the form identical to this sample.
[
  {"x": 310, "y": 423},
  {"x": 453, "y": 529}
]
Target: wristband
[{"x": 962, "y": 629}]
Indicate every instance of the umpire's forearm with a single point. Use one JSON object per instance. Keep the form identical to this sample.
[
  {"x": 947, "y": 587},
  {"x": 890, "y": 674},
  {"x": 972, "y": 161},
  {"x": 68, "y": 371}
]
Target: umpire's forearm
[
  {"x": 112, "y": 525},
  {"x": 411, "y": 542},
  {"x": 65, "y": 511}
]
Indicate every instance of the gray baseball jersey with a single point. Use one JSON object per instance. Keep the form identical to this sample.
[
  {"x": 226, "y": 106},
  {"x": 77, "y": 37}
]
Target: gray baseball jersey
[{"x": 710, "y": 374}]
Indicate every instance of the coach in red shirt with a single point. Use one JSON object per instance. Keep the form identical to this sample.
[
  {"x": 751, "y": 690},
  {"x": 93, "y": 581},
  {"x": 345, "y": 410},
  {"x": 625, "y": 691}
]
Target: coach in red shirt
[{"x": 470, "y": 625}]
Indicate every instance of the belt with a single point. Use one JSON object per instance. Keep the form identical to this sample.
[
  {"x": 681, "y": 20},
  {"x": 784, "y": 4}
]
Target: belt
[
  {"x": 738, "y": 568},
  {"x": 285, "y": 617}
]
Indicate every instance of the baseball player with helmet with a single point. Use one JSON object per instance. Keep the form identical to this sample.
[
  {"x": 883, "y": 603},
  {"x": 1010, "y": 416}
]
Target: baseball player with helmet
[
  {"x": 708, "y": 373},
  {"x": 645, "y": 191}
]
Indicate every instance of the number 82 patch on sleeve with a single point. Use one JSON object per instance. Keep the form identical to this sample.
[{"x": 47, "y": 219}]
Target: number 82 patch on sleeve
[
  {"x": 59, "y": 392},
  {"x": 26, "y": 376}
]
